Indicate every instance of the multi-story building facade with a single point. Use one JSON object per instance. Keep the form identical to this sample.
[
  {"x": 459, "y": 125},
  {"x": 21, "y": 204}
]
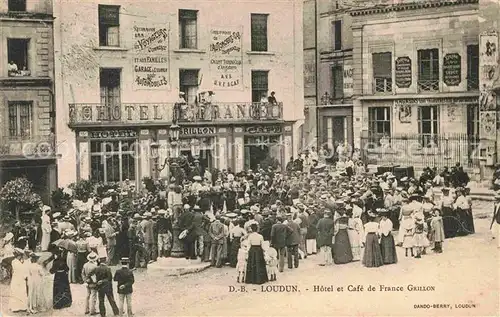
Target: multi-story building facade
[
  {"x": 123, "y": 65},
  {"x": 416, "y": 89},
  {"x": 26, "y": 94},
  {"x": 335, "y": 69},
  {"x": 328, "y": 71}
]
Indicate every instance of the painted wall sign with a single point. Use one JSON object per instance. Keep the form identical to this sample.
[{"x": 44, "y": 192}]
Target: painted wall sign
[
  {"x": 452, "y": 69},
  {"x": 348, "y": 81},
  {"x": 197, "y": 130},
  {"x": 403, "y": 72},
  {"x": 107, "y": 134},
  {"x": 140, "y": 113},
  {"x": 226, "y": 58},
  {"x": 151, "y": 58},
  {"x": 265, "y": 129},
  {"x": 434, "y": 101}
]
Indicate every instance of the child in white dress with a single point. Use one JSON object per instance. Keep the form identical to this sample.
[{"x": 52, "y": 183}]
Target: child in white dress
[
  {"x": 271, "y": 256},
  {"x": 241, "y": 265},
  {"x": 407, "y": 232}
]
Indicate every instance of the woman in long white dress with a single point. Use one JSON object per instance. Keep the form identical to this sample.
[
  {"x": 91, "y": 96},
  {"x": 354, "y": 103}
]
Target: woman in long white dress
[
  {"x": 38, "y": 301},
  {"x": 46, "y": 229},
  {"x": 18, "y": 300},
  {"x": 356, "y": 234}
]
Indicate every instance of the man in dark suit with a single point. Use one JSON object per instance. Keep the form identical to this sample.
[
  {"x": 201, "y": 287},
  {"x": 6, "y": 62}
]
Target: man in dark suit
[
  {"x": 185, "y": 223},
  {"x": 104, "y": 281},
  {"x": 125, "y": 279},
  {"x": 279, "y": 234},
  {"x": 292, "y": 243}
]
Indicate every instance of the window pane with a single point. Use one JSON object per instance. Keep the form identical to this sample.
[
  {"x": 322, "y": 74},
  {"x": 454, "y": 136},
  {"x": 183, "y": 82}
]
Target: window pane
[
  {"x": 426, "y": 127},
  {"x": 113, "y": 36},
  {"x": 128, "y": 167},
  {"x": 109, "y": 15},
  {"x": 382, "y": 65},
  {"x": 259, "y": 80},
  {"x": 96, "y": 168},
  {"x": 113, "y": 168},
  {"x": 425, "y": 113},
  {"x": 259, "y": 32}
]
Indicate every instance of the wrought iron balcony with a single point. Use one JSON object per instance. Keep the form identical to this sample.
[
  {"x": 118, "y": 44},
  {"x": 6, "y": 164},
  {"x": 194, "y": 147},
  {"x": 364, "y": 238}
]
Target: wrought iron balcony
[
  {"x": 428, "y": 85},
  {"x": 34, "y": 147},
  {"x": 91, "y": 114},
  {"x": 382, "y": 84}
]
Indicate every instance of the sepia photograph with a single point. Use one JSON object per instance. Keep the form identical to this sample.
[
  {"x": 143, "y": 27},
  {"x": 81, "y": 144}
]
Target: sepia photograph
[{"x": 249, "y": 158}]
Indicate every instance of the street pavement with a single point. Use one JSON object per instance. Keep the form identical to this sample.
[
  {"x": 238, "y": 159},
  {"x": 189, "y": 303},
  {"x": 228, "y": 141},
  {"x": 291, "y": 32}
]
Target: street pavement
[{"x": 465, "y": 277}]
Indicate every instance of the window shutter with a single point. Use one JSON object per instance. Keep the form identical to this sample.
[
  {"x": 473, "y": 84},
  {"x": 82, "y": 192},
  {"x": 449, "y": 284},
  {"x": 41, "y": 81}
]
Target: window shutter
[
  {"x": 382, "y": 65},
  {"x": 109, "y": 15},
  {"x": 189, "y": 78}
]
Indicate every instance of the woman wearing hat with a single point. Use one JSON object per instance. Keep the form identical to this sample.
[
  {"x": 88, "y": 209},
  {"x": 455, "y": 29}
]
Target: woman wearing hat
[
  {"x": 342, "y": 252},
  {"x": 18, "y": 300},
  {"x": 450, "y": 223},
  {"x": 61, "y": 290},
  {"x": 387, "y": 245},
  {"x": 38, "y": 301},
  {"x": 372, "y": 256}
]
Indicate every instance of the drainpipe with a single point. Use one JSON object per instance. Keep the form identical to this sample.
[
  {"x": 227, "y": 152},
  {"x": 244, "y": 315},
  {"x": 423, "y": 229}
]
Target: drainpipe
[{"x": 316, "y": 112}]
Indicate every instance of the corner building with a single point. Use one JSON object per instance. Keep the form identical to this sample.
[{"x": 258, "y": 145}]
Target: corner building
[
  {"x": 27, "y": 113},
  {"x": 416, "y": 84},
  {"x": 121, "y": 66}
]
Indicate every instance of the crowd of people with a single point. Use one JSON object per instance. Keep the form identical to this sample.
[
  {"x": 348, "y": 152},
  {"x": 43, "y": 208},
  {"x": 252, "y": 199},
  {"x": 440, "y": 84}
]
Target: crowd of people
[{"x": 254, "y": 221}]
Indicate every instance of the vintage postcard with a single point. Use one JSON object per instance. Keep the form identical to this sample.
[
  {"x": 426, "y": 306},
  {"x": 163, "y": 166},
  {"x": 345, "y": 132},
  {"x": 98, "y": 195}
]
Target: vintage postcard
[{"x": 249, "y": 158}]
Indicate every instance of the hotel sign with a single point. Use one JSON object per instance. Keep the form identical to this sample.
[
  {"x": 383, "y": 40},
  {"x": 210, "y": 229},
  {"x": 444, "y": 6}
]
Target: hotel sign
[
  {"x": 226, "y": 58},
  {"x": 143, "y": 113},
  {"x": 150, "y": 58}
]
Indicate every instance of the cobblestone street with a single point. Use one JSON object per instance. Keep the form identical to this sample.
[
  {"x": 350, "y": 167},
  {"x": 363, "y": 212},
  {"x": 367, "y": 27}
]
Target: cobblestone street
[{"x": 465, "y": 274}]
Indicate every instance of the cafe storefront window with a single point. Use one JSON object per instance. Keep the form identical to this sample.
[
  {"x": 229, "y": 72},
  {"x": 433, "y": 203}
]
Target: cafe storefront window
[
  {"x": 113, "y": 161},
  {"x": 263, "y": 151},
  {"x": 200, "y": 149}
]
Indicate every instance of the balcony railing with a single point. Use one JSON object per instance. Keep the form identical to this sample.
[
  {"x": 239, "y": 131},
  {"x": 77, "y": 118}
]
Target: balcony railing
[
  {"x": 382, "y": 84},
  {"x": 163, "y": 113},
  {"x": 428, "y": 85},
  {"x": 28, "y": 147},
  {"x": 19, "y": 73},
  {"x": 472, "y": 83}
]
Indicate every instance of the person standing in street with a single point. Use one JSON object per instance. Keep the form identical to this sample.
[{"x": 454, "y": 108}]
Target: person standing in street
[
  {"x": 104, "y": 282},
  {"x": 292, "y": 243},
  {"x": 88, "y": 268},
  {"x": 279, "y": 234},
  {"x": 147, "y": 227},
  {"x": 125, "y": 279},
  {"x": 164, "y": 226},
  {"x": 217, "y": 235}
]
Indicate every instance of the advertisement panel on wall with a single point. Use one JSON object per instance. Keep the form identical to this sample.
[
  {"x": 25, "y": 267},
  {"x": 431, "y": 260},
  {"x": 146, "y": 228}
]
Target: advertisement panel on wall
[
  {"x": 310, "y": 73},
  {"x": 488, "y": 77},
  {"x": 226, "y": 58},
  {"x": 348, "y": 80},
  {"x": 151, "y": 57}
]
